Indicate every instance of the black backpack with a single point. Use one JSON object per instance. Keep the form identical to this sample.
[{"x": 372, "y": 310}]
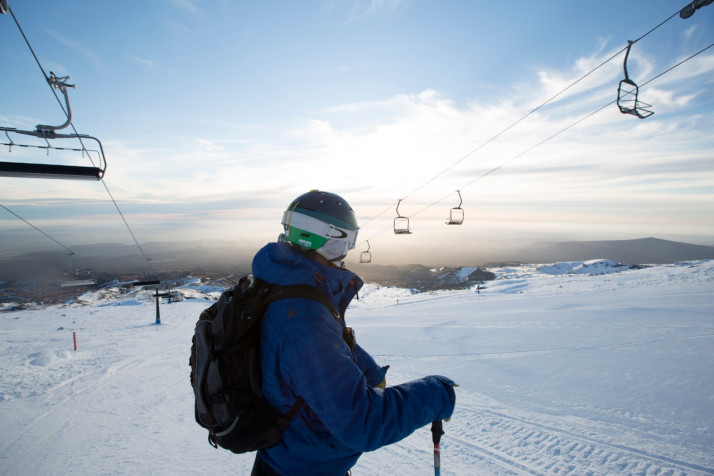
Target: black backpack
[{"x": 225, "y": 367}]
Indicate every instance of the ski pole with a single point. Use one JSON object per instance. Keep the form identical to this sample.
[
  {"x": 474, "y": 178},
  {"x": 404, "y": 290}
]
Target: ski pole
[{"x": 437, "y": 429}]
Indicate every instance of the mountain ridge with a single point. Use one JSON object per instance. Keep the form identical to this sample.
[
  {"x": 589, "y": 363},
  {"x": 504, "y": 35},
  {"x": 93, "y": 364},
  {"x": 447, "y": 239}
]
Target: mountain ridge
[{"x": 635, "y": 252}]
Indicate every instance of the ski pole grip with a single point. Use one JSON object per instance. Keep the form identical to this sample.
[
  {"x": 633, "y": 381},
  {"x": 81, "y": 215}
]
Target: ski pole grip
[{"x": 437, "y": 429}]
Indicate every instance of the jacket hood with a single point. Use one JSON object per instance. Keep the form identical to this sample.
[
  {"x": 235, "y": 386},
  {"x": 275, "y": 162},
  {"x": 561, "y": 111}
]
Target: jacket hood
[{"x": 279, "y": 263}]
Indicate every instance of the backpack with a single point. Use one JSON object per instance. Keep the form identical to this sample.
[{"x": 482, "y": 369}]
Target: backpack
[{"x": 226, "y": 371}]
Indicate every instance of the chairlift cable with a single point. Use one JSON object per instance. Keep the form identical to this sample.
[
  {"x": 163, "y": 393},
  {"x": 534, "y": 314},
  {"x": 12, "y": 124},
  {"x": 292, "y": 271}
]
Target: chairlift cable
[
  {"x": 501, "y": 132},
  {"x": 552, "y": 136},
  {"x": 49, "y": 83},
  {"x": 33, "y": 226},
  {"x": 677, "y": 65},
  {"x": 521, "y": 154},
  {"x": 148, "y": 261},
  {"x": 27, "y": 42},
  {"x": 520, "y": 120}
]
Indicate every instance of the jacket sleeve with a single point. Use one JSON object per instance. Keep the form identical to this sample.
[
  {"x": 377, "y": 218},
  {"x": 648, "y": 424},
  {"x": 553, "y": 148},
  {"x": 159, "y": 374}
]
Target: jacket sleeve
[
  {"x": 319, "y": 367},
  {"x": 372, "y": 372}
]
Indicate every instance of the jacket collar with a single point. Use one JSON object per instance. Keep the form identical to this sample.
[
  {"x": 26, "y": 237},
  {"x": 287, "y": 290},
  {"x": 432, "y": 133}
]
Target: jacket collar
[{"x": 278, "y": 263}]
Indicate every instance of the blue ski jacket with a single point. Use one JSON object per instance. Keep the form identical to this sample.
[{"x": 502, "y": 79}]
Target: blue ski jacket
[{"x": 303, "y": 354}]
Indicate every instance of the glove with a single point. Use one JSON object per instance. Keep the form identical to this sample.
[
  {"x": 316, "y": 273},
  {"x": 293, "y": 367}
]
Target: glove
[
  {"x": 383, "y": 383},
  {"x": 449, "y": 385}
]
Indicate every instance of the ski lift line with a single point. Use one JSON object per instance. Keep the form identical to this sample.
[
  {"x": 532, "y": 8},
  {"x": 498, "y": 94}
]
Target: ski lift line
[
  {"x": 33, "y": 226},
  {"x": 51, "y": 82},
  {"x": 131, "y": 232},
  {"x": 523, "y": 118},
  {"x": 647, "y": 113},
  {"x": 677, "y": 65},
  {"x": 39, "y": 65},
  {"x": 489, "y": 172},
  {"x": 515, "y": 123},
  {"x": 499, "y": 134},
  {"x": 79, "y": 137},
  {"x": 521, "y": 154}
]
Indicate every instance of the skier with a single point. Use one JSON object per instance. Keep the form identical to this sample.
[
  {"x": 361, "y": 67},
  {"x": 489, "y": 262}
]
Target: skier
[{"x": 308, "y": 353}]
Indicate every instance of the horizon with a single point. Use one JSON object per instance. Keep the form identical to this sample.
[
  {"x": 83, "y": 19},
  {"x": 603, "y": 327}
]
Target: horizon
[
  {"x": 214, "y": 116},
  {"x": 233, "y": 258}
]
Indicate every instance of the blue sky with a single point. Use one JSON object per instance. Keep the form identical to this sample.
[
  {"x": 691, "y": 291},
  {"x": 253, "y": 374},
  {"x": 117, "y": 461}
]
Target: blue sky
[{"x": 215, "y": 114}]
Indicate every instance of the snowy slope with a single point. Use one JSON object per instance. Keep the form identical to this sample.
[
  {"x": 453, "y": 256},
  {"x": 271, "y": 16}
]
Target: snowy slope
[{"x": 561, "y": 371}]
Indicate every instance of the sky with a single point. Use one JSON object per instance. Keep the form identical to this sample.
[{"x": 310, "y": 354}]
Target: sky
[{"x": 214, "y": 115}]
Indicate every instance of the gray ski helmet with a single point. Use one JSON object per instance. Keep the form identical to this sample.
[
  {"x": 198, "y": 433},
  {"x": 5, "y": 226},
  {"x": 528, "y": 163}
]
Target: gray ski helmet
[{"x": 321, "y": 221}]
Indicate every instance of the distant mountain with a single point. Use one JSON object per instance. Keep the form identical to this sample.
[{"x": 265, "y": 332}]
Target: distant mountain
[
  {"x": 640, "y": 251},
  {"x": 225, "y": 261}
]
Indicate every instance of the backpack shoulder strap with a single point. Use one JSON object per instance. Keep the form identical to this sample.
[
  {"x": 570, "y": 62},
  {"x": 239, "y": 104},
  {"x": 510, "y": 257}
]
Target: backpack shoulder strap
[{"x": 300, "y": 291}]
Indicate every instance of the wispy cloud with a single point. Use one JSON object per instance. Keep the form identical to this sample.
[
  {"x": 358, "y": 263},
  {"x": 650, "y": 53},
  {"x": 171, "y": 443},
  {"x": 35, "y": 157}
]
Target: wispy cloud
[
  {"x": 188, "y": 5},
  {"x": 607, "y": 172},
  {"x": 76, "y": 46},
  {"x": 176, "y": 25},
  {"x": 145, "y": 62},
  {"x": 361, "y": 9}
]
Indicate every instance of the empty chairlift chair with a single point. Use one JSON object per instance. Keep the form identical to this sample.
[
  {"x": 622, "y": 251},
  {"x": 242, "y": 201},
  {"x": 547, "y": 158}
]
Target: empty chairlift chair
[
  {"x": 456, "y": 214},
  {"x": 76, "y": 276},
  {"x": 44, "y": 134},
  {"x": 628, "y": 92},
  {"x": 401, "y": 224},
  {"x": 365, "y": 256}
]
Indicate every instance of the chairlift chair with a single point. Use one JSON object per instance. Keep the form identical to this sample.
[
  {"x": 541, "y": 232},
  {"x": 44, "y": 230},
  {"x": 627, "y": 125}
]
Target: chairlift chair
[
  {"x": 76, "y": 276},
  {"x": 689, "y": 9},
  {"x": 47, "y": 133},
  {"x": 627, "y": 94},
  {"x": 365, "y": 256},
  {"x": 456, "y": 214},
  {"x": 401, "y": 224},
  {"x": 79, "y": 277}
]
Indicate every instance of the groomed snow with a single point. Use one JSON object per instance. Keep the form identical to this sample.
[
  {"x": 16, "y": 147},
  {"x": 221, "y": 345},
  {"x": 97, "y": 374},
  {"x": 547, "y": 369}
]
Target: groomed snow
[{"x": 570, "y": 368}]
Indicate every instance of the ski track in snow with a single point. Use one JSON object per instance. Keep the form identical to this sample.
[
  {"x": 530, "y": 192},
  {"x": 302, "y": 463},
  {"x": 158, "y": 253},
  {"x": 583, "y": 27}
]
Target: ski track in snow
[
  {"x": 559, "y": 374},
  {"x": 538, "y": 448}
]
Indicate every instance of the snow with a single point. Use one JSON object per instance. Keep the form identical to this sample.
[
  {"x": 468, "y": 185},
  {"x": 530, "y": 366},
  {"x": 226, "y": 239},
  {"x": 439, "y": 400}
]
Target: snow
[{"x": 569, "y": 368}]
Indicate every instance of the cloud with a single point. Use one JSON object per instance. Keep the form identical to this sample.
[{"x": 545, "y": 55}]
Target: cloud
[
  {"x": 188, "y": 5},
  {"x": 602, "y": 174},
  {"x": 76, "y": 46},
  {"x": 363, "y": 9},
  {"x": 145, "y": 62},
  {"x": 176, "y": 26}
]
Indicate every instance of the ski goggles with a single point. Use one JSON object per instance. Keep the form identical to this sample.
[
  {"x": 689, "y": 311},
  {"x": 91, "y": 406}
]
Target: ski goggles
[{"x": 313, "y": 233}]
